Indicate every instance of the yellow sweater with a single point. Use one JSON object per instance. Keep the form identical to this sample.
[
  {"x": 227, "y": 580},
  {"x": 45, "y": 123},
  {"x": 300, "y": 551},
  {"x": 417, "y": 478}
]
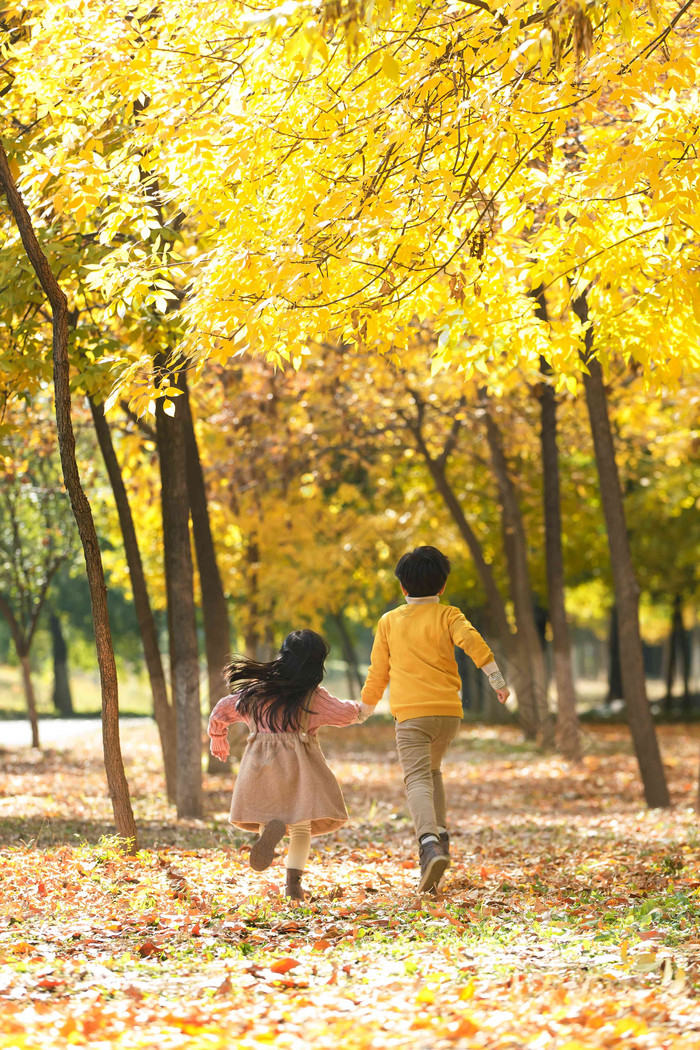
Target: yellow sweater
[{"x": 413, "y": 652}]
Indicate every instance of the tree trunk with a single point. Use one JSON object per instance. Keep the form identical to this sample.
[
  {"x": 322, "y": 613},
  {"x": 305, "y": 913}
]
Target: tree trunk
[
  {"x": 29, "y": 697},
  {"x": 684, "y": 646},
  {"x": 62, "y": 699},
  {"x": 214, "y": 607},
  {"x": 626, "y": 588},
  {"x": 521, "y": 591},
  {"x": 614, "y": 672},
  {"x": 162, "y": 709},
  {"x": 114, "y": 766},
  {"x": 568, "y": 735},
  {"x": 252, "y": 627},
  {"x": 671, "y": 667},
  {"x": 182, "y": 624},
  {"x": 22, "y": 643},
  {"x": 355, "y": 679}
]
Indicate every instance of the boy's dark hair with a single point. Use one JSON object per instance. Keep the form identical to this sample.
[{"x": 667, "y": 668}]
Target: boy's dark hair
[
  {"x": 423, "y": 571},
  {"x": 275, "y": 693}
]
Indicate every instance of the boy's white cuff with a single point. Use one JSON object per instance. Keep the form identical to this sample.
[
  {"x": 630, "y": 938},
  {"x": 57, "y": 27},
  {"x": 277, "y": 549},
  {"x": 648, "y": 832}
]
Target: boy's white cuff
[{"x": 494, "y": 675}]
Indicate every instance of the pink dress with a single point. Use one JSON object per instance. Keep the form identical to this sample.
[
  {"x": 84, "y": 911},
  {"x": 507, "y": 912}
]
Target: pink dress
[{"x": 284, "y": 776}]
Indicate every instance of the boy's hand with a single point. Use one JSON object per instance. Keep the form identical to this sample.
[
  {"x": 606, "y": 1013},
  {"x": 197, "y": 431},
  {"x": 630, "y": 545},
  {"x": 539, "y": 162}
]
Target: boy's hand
[
  {"x": 503, "y": 694},
  {"x": 364, "y": 712}
]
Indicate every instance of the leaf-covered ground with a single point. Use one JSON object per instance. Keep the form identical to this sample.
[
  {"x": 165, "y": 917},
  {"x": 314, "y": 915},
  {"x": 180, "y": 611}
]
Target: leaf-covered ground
[{"x": 569, "y": 919}]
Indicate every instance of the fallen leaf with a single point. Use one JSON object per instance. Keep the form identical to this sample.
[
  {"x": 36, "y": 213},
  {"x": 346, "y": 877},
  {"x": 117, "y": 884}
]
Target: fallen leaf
[{"x": 284, "y": 965}]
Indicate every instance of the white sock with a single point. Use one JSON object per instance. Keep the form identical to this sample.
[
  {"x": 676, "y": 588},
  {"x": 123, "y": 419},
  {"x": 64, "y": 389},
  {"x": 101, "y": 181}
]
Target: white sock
[
  {"x": 429, "y": 838},
  {"x": 442, "y": 831},
  {"x": 299, "y": 844}
]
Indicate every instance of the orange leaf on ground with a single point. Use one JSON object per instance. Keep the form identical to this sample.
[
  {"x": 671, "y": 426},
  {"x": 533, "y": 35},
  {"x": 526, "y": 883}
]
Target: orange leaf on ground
[
  {"x": 465, "y": 1027},
  {"x": 147, "y": 949},
  {"x": 284, "y": 965}
]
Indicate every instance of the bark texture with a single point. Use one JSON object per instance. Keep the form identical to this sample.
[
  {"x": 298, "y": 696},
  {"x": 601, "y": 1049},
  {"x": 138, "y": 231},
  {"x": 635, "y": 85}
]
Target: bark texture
[
  {"x": 625, "y": 583},
  {"x": 214, "y": 606},
  {"x": 114, "y": 766},
  {"x": 614, "y": 672},
  {"x": 182, "y": 624},
  {"x": 162, "y": 709}
]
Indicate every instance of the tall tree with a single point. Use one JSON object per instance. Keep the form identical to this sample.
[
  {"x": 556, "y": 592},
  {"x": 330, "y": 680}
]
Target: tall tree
[
  {"x": 179, "y": 579},
  {"x": 626, "y": 586},
  {"x": 515, "y": 547},
  {"x": 568, "y": 734},
  {"x": 162, "y": 709},
  {"x": 114, "y": 766},
  {"x": 214, "y": 606}
]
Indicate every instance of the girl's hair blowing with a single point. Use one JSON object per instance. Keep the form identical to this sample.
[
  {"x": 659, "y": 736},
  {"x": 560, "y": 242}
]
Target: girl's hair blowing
[{"x": 274, "y": 693}]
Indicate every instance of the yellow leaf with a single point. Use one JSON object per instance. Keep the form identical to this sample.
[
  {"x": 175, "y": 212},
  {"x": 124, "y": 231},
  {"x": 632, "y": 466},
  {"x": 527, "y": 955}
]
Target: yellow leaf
[
  {"x": 468, "y": 991},
  {"x": 373, "y": 61},
  {"x": 630, "y": 1026},
  {"x": 390, "y": 67}
]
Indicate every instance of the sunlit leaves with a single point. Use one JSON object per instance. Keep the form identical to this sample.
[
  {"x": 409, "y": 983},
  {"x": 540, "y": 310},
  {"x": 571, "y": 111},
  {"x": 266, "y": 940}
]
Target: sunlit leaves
[{"x": 334, "y": 164}]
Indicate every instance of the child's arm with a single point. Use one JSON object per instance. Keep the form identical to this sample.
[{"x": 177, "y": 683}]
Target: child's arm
[
  {"x": 469, "y": 639},
  {"x": 329, "y": 710},
  {"x": 496, "y": 680},
  {"x": 378, "y": 674},
  {"x": 223, "y": 715}
]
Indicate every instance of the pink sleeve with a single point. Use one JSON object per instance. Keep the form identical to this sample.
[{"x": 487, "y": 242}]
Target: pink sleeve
[
  {"x": 328, "y": 710},
  {"x": 223, "y": 715}
]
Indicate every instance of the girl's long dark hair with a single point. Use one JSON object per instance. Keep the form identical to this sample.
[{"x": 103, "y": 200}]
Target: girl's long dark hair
[{"x": 273, "y": 694}]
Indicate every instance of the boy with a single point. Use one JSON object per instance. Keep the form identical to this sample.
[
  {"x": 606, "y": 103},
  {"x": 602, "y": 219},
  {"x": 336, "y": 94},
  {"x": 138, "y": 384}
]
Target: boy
[{"x": 413, "y": 651}]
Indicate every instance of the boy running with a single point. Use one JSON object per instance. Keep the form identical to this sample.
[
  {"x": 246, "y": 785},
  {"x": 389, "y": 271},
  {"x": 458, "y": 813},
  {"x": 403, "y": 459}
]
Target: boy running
[{"x": 413, "y": 652}]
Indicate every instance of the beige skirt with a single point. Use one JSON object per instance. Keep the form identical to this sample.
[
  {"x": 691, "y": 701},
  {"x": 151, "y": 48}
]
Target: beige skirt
[{"x": 284, "y": 776}]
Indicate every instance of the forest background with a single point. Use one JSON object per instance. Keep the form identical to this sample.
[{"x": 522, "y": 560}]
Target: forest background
[
  {"x": 329, "y": 282},
  {"x": 285, "y": 290}
]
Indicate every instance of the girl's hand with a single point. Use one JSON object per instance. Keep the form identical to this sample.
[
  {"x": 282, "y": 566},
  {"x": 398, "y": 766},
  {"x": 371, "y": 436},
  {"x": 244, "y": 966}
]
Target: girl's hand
[
  {"x": 503, "y": 694},
  {"x": 219, "y": 748}
]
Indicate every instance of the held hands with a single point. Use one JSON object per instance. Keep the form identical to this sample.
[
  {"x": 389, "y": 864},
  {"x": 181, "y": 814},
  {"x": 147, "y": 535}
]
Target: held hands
[
  {"x": 364, "y": 712},
  {"x": 503, "y": 694}
]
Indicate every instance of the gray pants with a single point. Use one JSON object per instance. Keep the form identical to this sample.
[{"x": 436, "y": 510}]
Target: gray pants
[{"x": 422, "y": 743}]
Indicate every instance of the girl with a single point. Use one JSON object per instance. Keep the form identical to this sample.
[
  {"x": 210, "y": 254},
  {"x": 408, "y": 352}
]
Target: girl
[{"x": 283, "y": 782}]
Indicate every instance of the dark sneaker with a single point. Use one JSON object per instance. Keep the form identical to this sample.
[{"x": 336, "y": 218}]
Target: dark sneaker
[
  {"x": 445, "y": 843},
  {"x": 262, "y": 853},
  {"x": 434, "y": 862},
  {"x": 293, "y": 888}
]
